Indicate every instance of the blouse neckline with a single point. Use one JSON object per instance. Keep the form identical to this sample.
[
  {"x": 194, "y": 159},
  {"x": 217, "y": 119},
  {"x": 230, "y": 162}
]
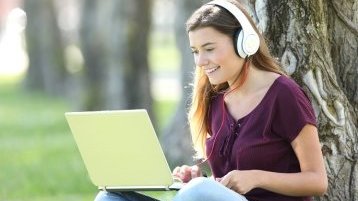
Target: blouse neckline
[{"x": 262, "y": 101}]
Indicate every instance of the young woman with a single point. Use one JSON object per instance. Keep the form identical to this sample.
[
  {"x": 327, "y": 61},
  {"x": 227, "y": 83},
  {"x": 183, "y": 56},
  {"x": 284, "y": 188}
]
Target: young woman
[{"x": 253, "y": 124}]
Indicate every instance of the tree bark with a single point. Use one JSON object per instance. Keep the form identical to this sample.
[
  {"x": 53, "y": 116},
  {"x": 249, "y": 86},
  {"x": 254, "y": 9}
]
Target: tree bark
[
  {"x": 114, "y": 42},
  {"x": 46, "y": 70},
  {"x": 176, "y": 136},
  {"x": 137, "y": 74}
]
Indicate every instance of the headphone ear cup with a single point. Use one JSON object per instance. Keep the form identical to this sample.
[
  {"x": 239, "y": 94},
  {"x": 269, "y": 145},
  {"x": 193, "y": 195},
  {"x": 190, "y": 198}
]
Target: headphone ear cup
[{"x": 239, "y": 37}]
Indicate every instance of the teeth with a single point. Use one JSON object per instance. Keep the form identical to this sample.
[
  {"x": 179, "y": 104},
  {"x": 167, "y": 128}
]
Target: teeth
[{"x": 211, "y": 70}]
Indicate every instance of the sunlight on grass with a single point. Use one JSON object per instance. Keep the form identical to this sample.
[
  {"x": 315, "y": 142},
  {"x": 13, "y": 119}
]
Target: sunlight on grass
[
  {"x": 11, "y": 80},
  {"x": 38, "y": 155},
  {"x": 65, "y": 198}
]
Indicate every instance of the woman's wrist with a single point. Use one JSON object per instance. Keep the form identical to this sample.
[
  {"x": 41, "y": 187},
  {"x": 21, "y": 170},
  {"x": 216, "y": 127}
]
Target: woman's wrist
[{"x": 259, "y": 178}]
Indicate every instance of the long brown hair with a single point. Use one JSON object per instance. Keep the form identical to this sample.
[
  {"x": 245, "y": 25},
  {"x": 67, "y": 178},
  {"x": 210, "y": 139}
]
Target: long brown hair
[{"x": 224, "y": 22}]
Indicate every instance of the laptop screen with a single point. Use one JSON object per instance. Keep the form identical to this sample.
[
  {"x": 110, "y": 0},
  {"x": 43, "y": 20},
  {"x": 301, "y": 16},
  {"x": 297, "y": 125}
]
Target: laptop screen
[{"x": 120, "y": 148}]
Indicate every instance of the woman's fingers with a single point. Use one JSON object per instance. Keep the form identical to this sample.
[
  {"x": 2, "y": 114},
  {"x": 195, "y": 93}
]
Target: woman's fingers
[
  {"x": 195, "y": 171},
  {"x": 186, "y": 173},
  {"x": 225, "y": 181},
  {"x": 176, "y": 171}
]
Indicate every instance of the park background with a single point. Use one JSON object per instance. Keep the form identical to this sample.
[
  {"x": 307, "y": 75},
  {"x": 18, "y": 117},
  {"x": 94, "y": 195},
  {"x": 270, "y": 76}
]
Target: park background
[{"x": 75, "y": 55}]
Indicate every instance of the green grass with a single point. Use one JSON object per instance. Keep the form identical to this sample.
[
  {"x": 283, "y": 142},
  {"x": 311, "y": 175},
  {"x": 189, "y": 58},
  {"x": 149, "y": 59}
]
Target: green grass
[{"x": 39, "y": 160}]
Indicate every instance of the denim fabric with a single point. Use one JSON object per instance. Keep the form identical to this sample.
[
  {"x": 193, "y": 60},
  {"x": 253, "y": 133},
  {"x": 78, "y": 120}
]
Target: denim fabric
[
  {"x": 122, "y": 196},
  {"x": 202, "y": 188}
]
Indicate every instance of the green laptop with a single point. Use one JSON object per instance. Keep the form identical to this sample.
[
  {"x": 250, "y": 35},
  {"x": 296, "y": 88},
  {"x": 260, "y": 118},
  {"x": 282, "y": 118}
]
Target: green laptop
[{"x": 121, "y": 151}]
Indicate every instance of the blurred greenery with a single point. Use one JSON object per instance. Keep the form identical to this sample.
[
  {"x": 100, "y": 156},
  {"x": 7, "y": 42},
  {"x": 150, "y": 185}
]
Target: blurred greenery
[
  {"x": 164, "y": 56},
  {"x": 39, "y": 159}
]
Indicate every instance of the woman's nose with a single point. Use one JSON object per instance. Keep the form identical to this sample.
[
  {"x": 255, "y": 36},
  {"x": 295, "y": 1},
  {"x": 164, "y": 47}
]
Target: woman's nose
[{"x": 201, "y": 60}]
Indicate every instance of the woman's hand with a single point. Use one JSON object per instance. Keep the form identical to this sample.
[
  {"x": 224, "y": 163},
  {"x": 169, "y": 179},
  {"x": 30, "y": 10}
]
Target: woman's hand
[
  {"x": 239, "y": 181},
  {"x": 186, "y": 173}
]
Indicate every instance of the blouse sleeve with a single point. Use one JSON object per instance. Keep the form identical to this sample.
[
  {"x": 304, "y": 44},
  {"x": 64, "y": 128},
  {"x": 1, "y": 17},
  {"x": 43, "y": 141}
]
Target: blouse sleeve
[{"x": 293, "y": 112}]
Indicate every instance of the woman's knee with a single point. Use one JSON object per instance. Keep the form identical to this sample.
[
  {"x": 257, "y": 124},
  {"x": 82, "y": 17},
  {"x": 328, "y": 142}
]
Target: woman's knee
[
  {"x": 207, "y": 189},
  {"x": 107, "y": 196},
  {"x": 196, "y": 189}
]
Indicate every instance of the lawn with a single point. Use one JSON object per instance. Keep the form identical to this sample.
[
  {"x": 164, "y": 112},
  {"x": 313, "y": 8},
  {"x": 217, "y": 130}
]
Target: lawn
[{"x": 39, "y": 160}]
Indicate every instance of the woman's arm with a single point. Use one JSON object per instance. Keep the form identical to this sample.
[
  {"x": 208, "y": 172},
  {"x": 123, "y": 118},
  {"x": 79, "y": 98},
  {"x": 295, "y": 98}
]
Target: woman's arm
[{"x": 312, "y": 180}]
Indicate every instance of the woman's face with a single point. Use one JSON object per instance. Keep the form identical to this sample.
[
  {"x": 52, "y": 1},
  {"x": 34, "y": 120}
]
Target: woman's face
[{"x": 214, "y": 53}]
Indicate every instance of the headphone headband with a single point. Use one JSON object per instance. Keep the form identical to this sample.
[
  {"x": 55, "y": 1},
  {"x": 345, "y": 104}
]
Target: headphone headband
[{"x": 250, "y": 39}]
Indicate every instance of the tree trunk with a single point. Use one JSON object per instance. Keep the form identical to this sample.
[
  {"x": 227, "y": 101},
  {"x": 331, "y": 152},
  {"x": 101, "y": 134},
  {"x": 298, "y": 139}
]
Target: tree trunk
[
  {"x": 114, "y": 42},
  {"x": 46, "y": 70},
  {"x": 316, "y": 42},
  {"x": 94, "y": 35},
  {"x": 176, "y": 136},
  {"x": 137, "y": 74}
]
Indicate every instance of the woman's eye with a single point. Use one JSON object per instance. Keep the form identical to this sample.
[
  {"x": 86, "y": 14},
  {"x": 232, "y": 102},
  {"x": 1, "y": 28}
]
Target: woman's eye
[
  {"x": 210, "y": 49},
  {"x": 194, "y": 52}
]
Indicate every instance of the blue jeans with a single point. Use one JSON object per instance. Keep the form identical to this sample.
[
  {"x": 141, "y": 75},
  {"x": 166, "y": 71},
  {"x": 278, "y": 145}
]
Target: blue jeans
[
  {"x": 200, "y": 188},
  {"x": 122, "y": 196}
]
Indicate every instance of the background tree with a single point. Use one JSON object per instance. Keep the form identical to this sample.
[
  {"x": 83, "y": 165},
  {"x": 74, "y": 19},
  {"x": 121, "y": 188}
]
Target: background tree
[
  {"x": 316, "y": 42},
  {"x": 114, "y": 42},
  {"x": 176, "y": 136},
  {"x": 46, "y": 70}
]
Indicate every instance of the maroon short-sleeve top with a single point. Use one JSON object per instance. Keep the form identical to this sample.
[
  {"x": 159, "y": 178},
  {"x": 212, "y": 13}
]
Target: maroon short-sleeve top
[{"x": 262, "y": 139}]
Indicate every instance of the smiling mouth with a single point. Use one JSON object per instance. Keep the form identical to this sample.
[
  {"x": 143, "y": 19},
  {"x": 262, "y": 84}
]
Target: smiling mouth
[{"x": 211, "y": 70}]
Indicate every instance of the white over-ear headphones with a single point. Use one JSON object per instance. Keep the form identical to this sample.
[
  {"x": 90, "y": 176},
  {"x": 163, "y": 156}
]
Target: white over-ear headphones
[{"x": 247, "y": 41}]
